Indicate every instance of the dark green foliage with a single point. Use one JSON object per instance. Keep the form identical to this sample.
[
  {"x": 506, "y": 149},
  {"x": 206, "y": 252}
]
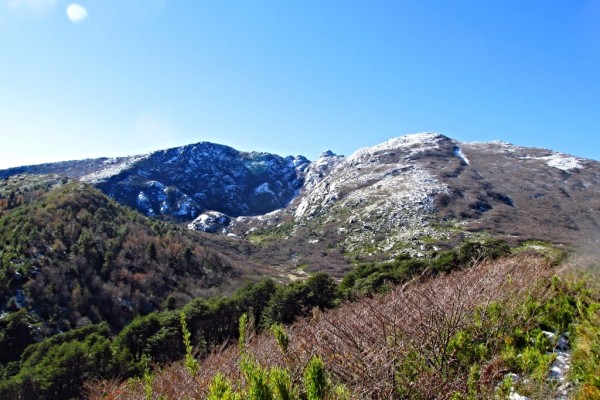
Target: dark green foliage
[
  {"x": 16, "y": 333},
  {"x": 373, "y": 277},
  {"x": 255, "y": 298},
  {"x": 377, "y": 277},
  {"x": 157, "y": 336},
  {"x": 71, "y": 256},
  {"x": 471, "y": 252},
  {"x": 321, "y": 291},
  {"x": 299, "y": 298},
  {"x": 286, "y": 303},
  {"x": 57, "y": 367},
  {"x": 151, "y": 252}
]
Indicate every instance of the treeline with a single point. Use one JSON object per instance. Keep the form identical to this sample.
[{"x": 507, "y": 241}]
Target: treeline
[
  {"x": 57, "y": 367},
  {"x": 155, "y": 339}
]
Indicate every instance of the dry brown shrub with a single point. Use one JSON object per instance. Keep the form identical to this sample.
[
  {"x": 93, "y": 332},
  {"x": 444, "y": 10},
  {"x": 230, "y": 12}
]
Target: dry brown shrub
[{"x": 363, "y": 344}]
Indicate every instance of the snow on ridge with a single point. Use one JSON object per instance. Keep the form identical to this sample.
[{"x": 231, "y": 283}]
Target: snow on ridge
[
  {"x": 555, "y": 159},
  {"x": 398, "y": 185},
  {"x": 562, "y": 161},
  {"x": 500, "y": 144},
  {"x": 424, "y": 141},
  {"x": 113, "y": 167},
  {"x": 459, "y": 153},
  {"x": 558, "y": 160}
]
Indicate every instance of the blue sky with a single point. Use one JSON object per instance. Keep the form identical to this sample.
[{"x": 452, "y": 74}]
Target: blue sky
[{"x": 294, "y": 77}]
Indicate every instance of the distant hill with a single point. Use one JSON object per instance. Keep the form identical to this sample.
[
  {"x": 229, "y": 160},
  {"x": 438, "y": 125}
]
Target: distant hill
[{"x": 181, "y": 182}]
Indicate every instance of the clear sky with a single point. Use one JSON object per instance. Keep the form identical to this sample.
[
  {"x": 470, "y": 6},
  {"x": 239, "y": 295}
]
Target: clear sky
[{"x": 120, "y": 77}]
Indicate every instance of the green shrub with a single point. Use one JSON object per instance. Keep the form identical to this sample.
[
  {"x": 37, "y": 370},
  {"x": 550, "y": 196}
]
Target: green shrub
[{"x": 315, "y": 379}]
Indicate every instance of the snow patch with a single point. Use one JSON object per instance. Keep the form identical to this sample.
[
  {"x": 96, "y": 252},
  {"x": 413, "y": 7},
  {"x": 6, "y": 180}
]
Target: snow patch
[
  {"x": 210, "y": 221},
  {"x": 558, "y": 160},
  {"x": 563, "y": 162},
  {"x": 155, "y": 184},
  {"x": 457, "y": 151},
  {"x": 143, "y": 203},
  {"x": 184, "y": 207},
  {"x": 264, "y": 188},
  {"x": 413, "y": 144},
  {"x": 113, "y": 167}
]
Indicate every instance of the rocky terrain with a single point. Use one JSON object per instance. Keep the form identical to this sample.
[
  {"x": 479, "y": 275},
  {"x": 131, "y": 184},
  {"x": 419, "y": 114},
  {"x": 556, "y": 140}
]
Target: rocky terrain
[
  {"x": 419, "y": 193},
  {"x": 185, "y": 181},
  {"x": 414, "y": 194},
  {"x": 90, "y": 287}
]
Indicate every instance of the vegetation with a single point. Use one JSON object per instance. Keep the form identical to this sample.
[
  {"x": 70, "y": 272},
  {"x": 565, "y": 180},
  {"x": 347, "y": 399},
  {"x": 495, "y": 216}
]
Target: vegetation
[
  {"x": 460, "y": 335},
  {"x": 379, "y": 277},
  {"x": 158, "y": 338},
  {"x": 92, "y": 294},
  {"x": 73, "y": 257}
]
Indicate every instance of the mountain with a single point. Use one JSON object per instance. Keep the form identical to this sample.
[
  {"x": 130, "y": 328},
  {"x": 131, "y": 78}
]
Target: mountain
[
  {"x": 181, "y": 182},
  {"x": 89, "y": 286},
  {"x": 420, "y": 193},
  {"x": 415, "y": 194}
]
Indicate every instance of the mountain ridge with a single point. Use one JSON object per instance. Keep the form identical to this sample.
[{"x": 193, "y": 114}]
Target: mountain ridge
[
  {"x": 200, "y": 176},
  {"x": 421, "y": 193},
  {"x": 412, "y": 193}
]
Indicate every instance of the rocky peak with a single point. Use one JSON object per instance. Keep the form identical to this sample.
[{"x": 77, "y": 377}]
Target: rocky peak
[
  {"x": 412, "y": 193},
  {"x": 319, "y": 169},
  {"x": 183, "y": 182},
  {"x": 423, "y": 185}
]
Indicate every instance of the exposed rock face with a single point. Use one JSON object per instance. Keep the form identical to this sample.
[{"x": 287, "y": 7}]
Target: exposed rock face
[
  {"x": 211, "y": 221},
  {"x": 412, "y": 192},
  {"x": 187, "y": 180},
  {"x": 379, "y": 190},
  {"x": 182, "y": 182},
  {"x": 402, "y": 195}
]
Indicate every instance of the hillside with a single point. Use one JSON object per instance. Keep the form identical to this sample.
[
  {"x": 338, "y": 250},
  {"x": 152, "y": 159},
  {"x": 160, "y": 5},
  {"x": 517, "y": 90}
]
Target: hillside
[
  {"x": 184, "y": 181},
  {"x": 413, "y": 194},
  {"x": 99, "y": 258},
  {"x": 422, "y": 193},
  {"x": 70, "y": 256},
  {"x": 494, "y": 330}
]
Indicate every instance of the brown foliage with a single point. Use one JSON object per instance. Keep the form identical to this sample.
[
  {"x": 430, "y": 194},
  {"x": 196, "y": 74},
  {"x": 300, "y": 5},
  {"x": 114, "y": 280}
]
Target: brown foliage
[{"x": 373, "y": 345}]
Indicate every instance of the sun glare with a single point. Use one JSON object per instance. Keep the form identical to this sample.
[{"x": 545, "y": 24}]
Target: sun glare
[{"x": 76, "y": 13}]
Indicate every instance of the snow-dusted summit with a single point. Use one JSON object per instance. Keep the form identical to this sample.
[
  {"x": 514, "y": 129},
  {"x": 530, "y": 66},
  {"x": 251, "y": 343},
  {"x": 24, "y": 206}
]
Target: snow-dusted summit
[
  {"x": 416, "y": 192},
  {"x": 186, "y": 181},
  {"x": 408, "y": 194}
]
